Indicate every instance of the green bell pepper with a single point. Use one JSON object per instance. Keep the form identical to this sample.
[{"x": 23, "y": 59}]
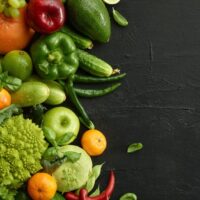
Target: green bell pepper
[{"x": 54, "y": 56}]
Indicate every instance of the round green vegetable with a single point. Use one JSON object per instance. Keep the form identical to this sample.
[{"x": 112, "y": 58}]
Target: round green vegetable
[
  {"x": 72, "y": 176},
  {"x": 21, "y": 147}
]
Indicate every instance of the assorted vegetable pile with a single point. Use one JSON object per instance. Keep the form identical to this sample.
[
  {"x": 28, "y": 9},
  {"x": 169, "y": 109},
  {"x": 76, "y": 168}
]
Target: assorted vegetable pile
[{"x": 43, "y": 48}]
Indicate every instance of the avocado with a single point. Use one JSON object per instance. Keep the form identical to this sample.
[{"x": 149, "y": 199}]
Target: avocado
[{"x": 91, "y": 18}]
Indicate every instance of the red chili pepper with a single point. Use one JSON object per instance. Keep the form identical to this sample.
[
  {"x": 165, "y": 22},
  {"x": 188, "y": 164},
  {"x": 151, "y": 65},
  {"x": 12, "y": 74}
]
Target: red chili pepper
[
  {"x": 46, "y": 16},
  {"x": 105, "y": 195}
]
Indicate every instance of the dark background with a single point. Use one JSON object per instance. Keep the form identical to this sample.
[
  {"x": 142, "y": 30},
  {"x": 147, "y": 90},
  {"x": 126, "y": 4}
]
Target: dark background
[{"x": 158, "y": 103}]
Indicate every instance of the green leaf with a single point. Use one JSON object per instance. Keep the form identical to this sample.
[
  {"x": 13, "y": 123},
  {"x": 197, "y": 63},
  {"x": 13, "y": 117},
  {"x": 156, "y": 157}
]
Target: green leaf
[
  {"x": 58, "y": 196},
  {"x": 64, "y": 138},
  {"x": 128, "y": 196},
  {"x": 119, "y": 18},
  {"x": 90, "y": 183},
  {"x": 50, "y": 135},
  {"x": 9, "y": 111},
  {"x": 134, "y": 147},
  {"x": 94, "y": 175},
  {"x": 96, "y": 192},
  {"x": 50, "y": 154},
  {"x": 72, "y": 156},
  {"x": 36, "y": 113},
  {"x": 9, "y": 82},
  {"x": 96, "y": 170}
]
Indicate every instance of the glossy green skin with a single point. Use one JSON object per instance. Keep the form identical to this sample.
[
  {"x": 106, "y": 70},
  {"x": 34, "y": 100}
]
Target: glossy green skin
[
  {"x": 30, "y": 94},
  {"x": 62, "y": 120},
  {"x": 57, "y": 94},
  {"x": 17, "y": 63},
  {"x": 91, "y": 18},
  {"x": 54, "y": 56}
]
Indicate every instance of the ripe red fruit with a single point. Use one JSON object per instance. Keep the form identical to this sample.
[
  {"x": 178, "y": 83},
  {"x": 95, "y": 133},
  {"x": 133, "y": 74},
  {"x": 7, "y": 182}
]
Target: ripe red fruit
[{"x": 46, "y": 16}]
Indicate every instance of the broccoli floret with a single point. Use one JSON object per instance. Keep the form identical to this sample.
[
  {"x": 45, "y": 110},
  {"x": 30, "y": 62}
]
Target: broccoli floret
[{"x": 21, "y": 147}]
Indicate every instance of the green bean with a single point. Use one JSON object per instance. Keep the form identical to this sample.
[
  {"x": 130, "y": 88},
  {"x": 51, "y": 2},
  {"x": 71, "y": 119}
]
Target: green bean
[
  {"x": 72, "y": 95},
  {"x": 119, "y": 18},
  {"x": 90, "y": 93},
  {"x": 91, "y": 79}
]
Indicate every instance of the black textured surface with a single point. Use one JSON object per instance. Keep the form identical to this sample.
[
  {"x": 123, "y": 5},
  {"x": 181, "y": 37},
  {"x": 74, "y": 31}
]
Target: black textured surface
[{"x": 158, "y": 103}]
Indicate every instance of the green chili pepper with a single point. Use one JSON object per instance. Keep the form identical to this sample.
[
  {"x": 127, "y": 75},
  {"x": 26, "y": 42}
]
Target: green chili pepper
[
  {"x": 90, "y": 93},
  {"x": 90, "y": 79},
  {"x": 119, "y": 18},
  {"x": 128, "y": 196},
  {"x": 54, "y": 56},
  {"x": 72, "y": 95}
]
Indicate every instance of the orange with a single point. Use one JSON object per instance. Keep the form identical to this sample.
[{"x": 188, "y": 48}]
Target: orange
[
  {"x": 94, "y": 142},
  {"x": 42, "y": 186},
  {"x": 5, "y": 98},
  {"x": 15, "y": 34}
]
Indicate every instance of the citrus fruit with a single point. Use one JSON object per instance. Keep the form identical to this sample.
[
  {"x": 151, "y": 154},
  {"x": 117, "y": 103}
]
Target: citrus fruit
[
  {"x": 14, "y": 32},
  {"x": 111, "y": 2},
  {"x": 42, "y": 186},
  {"x": 93, "y": 142},
  {"x": 17, "y": 63},
  {"x": 5, "y": 98}
]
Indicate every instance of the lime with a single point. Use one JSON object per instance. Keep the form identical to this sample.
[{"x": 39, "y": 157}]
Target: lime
[
  {"x": 111, "y": 2},
  {"x": 17, "y": 63}
]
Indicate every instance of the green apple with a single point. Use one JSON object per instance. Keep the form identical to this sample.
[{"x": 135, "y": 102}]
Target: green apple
[{"x": 62, "y": 120}]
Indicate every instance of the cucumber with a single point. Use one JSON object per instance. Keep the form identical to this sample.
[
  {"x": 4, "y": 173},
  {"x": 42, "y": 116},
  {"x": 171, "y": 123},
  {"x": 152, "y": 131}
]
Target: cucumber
[
  {"x": 91, "y": 18},
  {"x": 80, "y": 41},
  {"x": 30, "y": 94},
  {"x": 94, "y": 65},
  {"x": 57, "y": 94}
]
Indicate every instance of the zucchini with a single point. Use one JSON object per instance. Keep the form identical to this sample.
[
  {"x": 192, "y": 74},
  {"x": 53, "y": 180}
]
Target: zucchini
[{"x": 94, "y": 65}]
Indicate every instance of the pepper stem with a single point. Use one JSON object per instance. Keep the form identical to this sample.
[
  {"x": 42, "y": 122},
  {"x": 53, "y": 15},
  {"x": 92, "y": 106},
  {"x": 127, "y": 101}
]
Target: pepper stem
[{"x": 54, "y": 56}]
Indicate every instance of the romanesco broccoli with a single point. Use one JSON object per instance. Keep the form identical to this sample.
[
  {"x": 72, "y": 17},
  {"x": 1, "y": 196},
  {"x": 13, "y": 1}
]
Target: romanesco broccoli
[{"x": 21, "y": 147}]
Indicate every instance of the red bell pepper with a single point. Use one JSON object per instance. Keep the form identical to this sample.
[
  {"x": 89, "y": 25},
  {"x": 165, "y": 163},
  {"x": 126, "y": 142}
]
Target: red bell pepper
[
  {"x": 105, "y": 195},
  {"x": 46, "y": 16}
]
